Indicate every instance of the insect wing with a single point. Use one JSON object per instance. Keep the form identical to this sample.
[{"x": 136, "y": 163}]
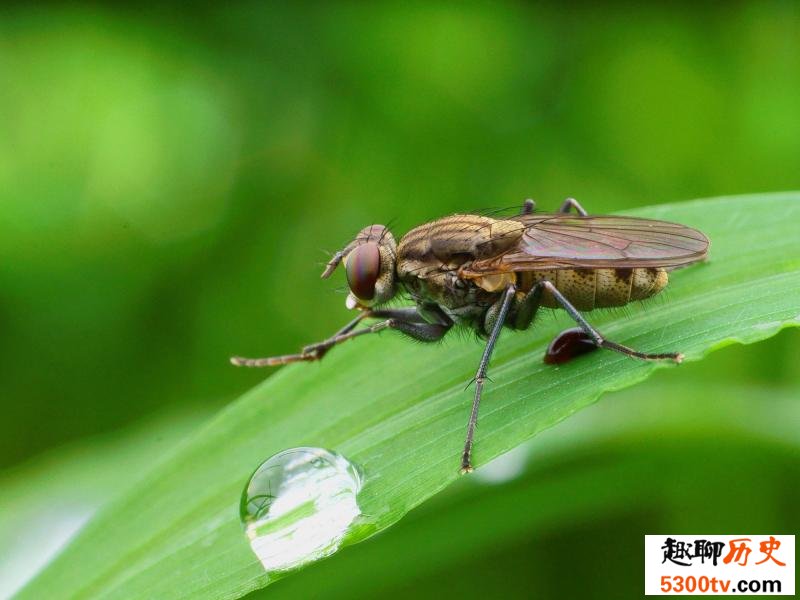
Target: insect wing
[{"x": 566, "y": 241}]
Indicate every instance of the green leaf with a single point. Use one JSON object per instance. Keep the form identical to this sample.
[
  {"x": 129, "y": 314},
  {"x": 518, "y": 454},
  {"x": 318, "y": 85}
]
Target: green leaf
[
  {"x": 399, "y": 410},
  {"x": 589, "y": 488}
]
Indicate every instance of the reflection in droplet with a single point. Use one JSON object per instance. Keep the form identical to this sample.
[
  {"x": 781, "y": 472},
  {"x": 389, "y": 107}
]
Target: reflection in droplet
[{"x": 298, "y": 506}]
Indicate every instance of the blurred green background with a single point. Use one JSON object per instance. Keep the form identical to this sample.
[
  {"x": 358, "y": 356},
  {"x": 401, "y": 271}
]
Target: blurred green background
[{"x": 171, "y": 179}]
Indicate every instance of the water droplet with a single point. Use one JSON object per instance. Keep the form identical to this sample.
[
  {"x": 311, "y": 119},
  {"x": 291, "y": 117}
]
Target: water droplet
[
  {"x": 567, "y": 345},
  {"x": 299, "y": 505}
]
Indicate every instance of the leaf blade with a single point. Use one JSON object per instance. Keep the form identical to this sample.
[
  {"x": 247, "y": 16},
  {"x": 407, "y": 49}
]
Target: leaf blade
[{"x": 399, "y": 410}]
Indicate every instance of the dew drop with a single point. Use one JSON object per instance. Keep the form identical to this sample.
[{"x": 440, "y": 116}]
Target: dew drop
[
  {"x": 298, "y": 506},
  {"x": 567, "y": 345}
]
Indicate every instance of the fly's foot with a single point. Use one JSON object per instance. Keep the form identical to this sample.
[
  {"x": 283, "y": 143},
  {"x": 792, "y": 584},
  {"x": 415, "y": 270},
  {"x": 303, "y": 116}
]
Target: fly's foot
[
  {"x": 673, "y": 356},
  {"x": 466, "y": 459},
  {"x": 274, "y": 361}
]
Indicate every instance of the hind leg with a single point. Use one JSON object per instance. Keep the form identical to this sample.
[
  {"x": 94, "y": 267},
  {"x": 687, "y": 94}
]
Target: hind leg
[{"x": 571, "y": 203}]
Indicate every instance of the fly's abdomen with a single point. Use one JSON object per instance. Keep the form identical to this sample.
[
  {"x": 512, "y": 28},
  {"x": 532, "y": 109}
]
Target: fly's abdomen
[{"x": 587, "y": 289}]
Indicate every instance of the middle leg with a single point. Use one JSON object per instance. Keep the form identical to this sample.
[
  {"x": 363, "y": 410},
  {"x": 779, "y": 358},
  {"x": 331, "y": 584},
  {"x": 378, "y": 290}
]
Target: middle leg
[{"x": 480, "y": 375}]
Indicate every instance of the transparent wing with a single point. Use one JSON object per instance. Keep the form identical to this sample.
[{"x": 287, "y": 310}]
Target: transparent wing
[{"x": 566, "y": 241}]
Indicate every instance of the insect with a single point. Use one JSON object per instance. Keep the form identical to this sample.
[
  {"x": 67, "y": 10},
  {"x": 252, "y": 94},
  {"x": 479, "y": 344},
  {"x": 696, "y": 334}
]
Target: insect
[{"x": 487, "y": 273}]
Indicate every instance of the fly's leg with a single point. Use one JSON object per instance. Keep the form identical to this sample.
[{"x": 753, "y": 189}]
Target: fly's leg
[
  {"x": 480, "y": 375},
  {"x": 596, "y": 336},
  {"x": 528, "y": 207},
  {"x": 571, "y": 203},
  {"x": 567, "y": 345},
  {"x": 527, "y": 308},
  {"x": 285, "y": 359},
  {"x": 410, "y": 324},
  {"x": 424, "y": 332},
  {"x": 405, "y": 320},
  {"x": 331, "y": 265}
]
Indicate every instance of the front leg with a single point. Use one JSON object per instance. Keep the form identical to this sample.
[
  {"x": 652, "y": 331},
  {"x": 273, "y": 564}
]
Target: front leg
[
  {"x": 405, "y": 320},
  {"x": 285, "y": 359},
  {"x": 412, "y": 326}
]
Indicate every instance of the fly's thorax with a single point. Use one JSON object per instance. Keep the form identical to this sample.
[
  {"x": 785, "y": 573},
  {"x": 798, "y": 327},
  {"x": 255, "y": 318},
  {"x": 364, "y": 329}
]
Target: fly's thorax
[
  {"x": 445, "y": 289},
  {"x": 429, "y": 258},
  {"x": 448, "y": 243},
  {"x": 587, "y": 289}
]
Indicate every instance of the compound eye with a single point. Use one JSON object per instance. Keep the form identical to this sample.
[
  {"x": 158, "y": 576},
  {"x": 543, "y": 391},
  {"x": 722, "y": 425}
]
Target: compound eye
[{"x": 363, "y": 267}]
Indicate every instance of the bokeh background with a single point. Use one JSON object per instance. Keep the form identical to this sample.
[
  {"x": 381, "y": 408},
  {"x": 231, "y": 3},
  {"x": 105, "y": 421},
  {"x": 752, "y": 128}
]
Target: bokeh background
[{"x": 171, "y": 180}]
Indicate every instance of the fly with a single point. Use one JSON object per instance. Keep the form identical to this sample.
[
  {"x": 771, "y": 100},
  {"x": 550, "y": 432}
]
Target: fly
[{"x": 488, "y": 273}]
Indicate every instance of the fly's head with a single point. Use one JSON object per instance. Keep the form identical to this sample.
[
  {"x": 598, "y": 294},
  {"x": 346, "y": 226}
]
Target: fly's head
[{"x": 369, "y": 262}]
